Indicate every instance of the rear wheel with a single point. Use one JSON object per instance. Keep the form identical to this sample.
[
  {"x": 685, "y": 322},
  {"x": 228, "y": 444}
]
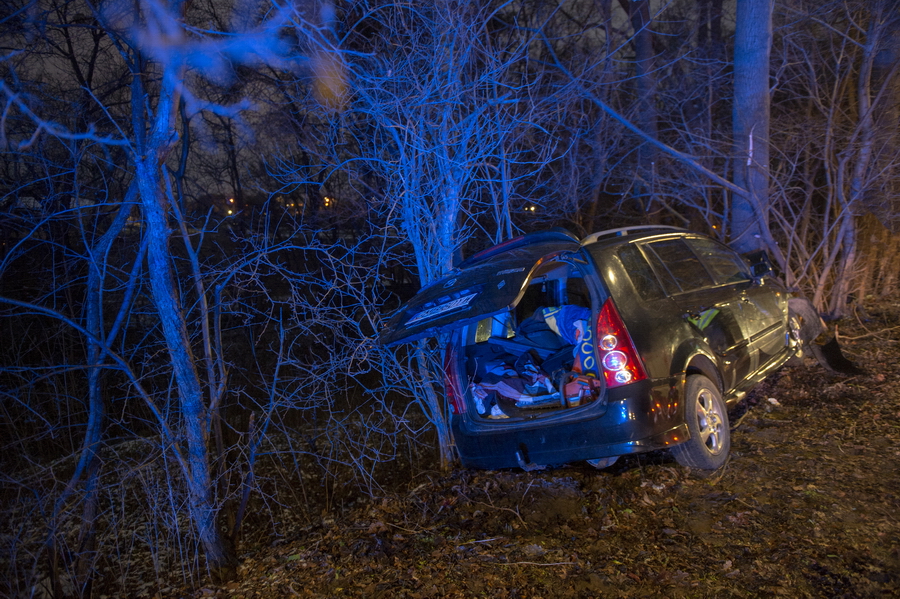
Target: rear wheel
[{"x": 707, "y": 421}]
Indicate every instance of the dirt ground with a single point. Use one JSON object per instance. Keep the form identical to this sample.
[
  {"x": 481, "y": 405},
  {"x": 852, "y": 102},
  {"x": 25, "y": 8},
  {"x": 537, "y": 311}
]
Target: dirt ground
[{"x": 807, "y": 506}]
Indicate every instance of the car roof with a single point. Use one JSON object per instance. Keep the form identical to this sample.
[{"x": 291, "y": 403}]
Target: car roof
[
  {"x": 492, "y": 280},
  {"x": 635, "y": 232}
]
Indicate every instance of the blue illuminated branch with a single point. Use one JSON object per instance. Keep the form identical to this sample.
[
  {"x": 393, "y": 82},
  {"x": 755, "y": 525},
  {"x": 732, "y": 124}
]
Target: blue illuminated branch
[
  {"x": 123, "y": 366},
  {"x": 49, "y": 126}
]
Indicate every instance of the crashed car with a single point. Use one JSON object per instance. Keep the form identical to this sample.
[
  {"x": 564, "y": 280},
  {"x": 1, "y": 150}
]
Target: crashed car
[{"x": 629, "y": 340}]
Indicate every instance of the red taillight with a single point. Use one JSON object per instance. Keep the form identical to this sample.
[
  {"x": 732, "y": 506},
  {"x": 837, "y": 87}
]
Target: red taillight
[
  {"x": 451, "y": 381},
  {"x": 618, "y": 358}
]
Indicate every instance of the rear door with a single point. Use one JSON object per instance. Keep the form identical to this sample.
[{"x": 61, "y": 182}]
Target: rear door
[
  {"x": 762, "y": 313},
  {"x": 713, "y": 309}
]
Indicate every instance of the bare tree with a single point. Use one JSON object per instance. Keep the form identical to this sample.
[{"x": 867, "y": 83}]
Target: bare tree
[
  {"x": 435, "y": 136},
  {"x": 157, "y": 49},
  {"x": 834, "y": 162}
]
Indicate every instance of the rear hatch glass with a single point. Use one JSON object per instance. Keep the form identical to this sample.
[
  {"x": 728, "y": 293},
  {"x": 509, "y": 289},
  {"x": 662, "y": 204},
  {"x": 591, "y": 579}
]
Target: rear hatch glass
[{"x": 482, "y": 290}]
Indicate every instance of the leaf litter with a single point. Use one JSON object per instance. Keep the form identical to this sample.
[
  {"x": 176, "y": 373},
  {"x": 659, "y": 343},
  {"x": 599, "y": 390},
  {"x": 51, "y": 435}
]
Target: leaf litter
[{"x": 806, "y": 506}]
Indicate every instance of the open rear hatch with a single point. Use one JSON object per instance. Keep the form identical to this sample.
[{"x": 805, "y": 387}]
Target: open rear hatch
[
  {"x": 522, "y": 321},
  {"x": 487, "y": 284}
]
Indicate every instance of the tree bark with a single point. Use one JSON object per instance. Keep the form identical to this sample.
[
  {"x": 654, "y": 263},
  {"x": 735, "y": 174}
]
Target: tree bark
[
  {"x": 645, "y": 88},
  {"x": 151, "y": 150},
  {"x": 750, "y": 125}
]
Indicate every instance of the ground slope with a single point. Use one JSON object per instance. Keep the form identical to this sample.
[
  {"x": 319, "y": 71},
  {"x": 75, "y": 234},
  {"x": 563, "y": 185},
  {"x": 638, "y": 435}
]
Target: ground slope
[{"x": 807, "y": 506}]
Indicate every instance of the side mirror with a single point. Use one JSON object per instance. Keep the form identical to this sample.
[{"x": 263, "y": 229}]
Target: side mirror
[{"x": 760, "y": 265}]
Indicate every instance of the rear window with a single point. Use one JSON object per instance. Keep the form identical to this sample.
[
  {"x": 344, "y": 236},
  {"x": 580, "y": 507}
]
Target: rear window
[
  {"x": 640, "y": 273},
  {"x": 679, "y": 268}
]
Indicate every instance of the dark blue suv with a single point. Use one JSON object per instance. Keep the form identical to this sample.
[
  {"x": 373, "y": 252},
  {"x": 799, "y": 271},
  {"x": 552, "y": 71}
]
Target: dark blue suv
[{"x": 630, "y": 340}]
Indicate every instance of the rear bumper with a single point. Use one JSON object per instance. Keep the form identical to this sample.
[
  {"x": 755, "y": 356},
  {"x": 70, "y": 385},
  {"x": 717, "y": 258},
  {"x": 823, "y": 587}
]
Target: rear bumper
[{"x": 633, "y": 422}]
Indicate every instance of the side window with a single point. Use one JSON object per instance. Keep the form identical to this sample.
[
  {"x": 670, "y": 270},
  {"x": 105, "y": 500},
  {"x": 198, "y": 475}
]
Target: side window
[
  {"x": 640, "y": 273},
  {"x": 680, "y": 266},
  {"x": 726, "y": 265},
  {"x": 668, "y": 281}
]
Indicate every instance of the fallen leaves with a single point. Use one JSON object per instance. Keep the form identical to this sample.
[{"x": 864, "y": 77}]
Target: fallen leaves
[{"x": 807, "y": 507}]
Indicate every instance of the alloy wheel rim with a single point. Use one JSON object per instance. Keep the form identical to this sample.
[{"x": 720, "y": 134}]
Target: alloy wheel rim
[{"x": 709, "y": 420}]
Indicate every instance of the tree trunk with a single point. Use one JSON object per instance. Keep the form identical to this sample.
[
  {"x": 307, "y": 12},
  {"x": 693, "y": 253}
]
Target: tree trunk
[
  {"x": 96, "y": 404},
  {"x": 869, "y": 103},
  {"x": 151, "y": 150},
  {"x": 87, "y": 469},
  {"x": 645, "y": 88},
  {"x": 750, "y": 125},
  {"x": 433, "y": 406}
]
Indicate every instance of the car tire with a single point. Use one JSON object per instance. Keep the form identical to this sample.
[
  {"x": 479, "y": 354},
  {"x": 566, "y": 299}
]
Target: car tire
[{"x": 707, "y": 422}]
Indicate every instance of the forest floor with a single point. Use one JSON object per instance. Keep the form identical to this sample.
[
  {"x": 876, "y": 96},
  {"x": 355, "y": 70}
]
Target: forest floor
[{"x": 807, "y": 506}]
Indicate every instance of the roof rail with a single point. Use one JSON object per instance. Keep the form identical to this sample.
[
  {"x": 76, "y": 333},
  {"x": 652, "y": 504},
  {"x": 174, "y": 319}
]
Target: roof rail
[{"x": 625, "y": 231}]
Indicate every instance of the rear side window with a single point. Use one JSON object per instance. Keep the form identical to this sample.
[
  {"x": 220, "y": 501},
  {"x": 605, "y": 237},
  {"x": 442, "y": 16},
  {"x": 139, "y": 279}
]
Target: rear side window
[
  {"x": 726, "y": 266},
  {"x": 640, "y": 273},
  {"x": 678, "y": 266}
]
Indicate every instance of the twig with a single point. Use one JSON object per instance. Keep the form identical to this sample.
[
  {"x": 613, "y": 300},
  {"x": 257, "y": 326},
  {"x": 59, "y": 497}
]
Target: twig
[
  {"x": 869, "y": 334},
  {"x": 722, "y": 471},
  {"x": 483, "y": 540},
  {"x": 741, "y": 419},
  {"x": 414, "y": 532},
  {"x": 505, "y": 509},
  {"x": 535, "y": 564},
  {"x": 492, "y": 506}
]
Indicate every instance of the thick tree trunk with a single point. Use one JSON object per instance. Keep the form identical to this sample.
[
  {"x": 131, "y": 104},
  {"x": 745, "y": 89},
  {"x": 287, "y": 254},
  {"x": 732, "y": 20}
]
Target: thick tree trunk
[
  {"x": 645, "y": 88},
  {"x": 750, "y": 125}
]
